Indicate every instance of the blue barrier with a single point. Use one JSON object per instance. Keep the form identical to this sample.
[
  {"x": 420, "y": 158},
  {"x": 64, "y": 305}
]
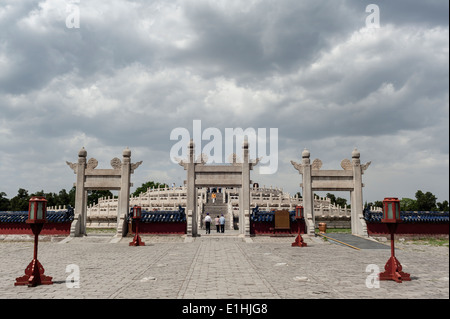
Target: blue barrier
[
  {"x": 161, "y": 216},
  {"x": 52, "y": 216},
  {"x": 410, "y": 216},
  {"x": 267, "y": 217}
]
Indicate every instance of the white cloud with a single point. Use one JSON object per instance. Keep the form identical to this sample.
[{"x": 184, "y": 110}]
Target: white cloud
[{"x": 240, "y": 101}]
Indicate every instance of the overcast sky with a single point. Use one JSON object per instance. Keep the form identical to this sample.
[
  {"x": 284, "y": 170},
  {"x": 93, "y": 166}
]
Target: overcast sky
[{"x": 318, "y": 71}]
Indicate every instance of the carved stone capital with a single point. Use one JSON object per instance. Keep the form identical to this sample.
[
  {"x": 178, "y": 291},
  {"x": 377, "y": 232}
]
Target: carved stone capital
[
  {"x": 202, "y": 158},
  {"x": 297, "y": 166},
  {"x": 135, "y": 165},
  {"x": 255, "y": 162},
  {"x": 234, "y": 159},
  {"x": 116, "y": 163},
  {"x": 181, "y": 162},
  {"x": 346, "y": 164},
  {"x": 92, "y": 163},
  {"x": 365, "y": 166},
  {"x": 73, "y": 166},
  {"x": 316, "y": 164}
]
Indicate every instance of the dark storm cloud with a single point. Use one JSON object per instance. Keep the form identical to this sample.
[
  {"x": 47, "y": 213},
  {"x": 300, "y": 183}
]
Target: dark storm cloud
[{"x": 264, "y": 39}]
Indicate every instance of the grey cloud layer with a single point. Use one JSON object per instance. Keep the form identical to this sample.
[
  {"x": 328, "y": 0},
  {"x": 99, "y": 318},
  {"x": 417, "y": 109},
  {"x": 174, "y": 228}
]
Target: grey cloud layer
[{"x": 137, "y": 69}]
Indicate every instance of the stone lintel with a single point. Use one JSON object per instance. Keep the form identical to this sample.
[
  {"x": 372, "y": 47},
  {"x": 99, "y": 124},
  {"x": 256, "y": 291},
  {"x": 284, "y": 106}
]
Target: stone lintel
[
  {"x": 102, "y": 172},
  {"x": 218, "y": 169},
  {"x": 336, "y": 173},
  {"x": 324, "y": 185}
]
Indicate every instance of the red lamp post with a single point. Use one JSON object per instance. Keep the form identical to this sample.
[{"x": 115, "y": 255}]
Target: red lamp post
[
  {"x": 299, "y": 239},
  {"x": 137, "y": 214},
  {"x": 391, "y": 217},
  {"x": 34, "y": 273}
]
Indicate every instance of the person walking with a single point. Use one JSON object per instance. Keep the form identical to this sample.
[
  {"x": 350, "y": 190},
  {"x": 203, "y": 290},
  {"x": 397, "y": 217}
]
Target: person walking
[
  {"x": 208, "y": 223},
  {"x": 222, "y": 223},
  {"x": 217, "y": 222},
  {"x": 213, "y": 197}
]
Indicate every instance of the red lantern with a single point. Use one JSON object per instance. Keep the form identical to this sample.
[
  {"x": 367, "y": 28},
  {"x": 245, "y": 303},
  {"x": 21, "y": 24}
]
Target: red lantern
[
  {"x": 34, "y": 273},
  {"x": 299, "y": 239},
  {"x": 137, "y": 214},
  {"x": 391, "y": 210},
  {"x": 37, "y": 210},
  {"x": 391, "y": 217},
  {"x": 298, "y": 212}
]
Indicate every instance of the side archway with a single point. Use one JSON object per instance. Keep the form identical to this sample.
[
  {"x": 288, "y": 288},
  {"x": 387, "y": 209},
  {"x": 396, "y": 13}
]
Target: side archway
[{"x": 91, "y": 178}]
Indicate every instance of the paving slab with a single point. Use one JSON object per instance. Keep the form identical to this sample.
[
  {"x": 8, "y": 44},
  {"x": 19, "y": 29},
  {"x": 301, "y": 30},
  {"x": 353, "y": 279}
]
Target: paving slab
[
  {"x": 355, "y": 241},
  {"x": 214, "y": 267}
]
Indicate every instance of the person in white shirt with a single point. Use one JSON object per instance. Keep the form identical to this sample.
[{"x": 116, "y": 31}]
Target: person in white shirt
[
  {"x": 222, "y": 223},
  {"x": 208, "y": 223}
]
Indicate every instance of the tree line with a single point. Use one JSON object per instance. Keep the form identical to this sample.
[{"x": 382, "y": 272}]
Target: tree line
[
  {"x": 21, "y": 200},
  {"x": 422, "y": 202}
]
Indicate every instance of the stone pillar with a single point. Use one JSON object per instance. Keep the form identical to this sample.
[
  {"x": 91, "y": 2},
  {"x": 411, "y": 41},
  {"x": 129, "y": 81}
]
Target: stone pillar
[
  {"x": 189, "y": 222},
  {"x": 229, "y": 220},
  {"x": 244, "y": 209},
  {"x": 191, "y": 205},
  {"x": 123, "y": 205},
  {"x": 80, "y": 197},
  {"x": 357, "y": 218},
  {"x": 308, "y": 202}
]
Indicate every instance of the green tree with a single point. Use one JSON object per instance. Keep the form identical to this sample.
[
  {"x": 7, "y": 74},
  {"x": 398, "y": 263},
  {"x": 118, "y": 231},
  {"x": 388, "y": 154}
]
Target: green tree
[
  {"x": 408, "y": 204},
  {"x": 143, "y": 188},
  {"x": 331, "y": 197},
  {"x": 72, "y": 194},
  {"x": 51, "y": 198},
  {"x": 377, "y": 203},
  {"x": 20, "y": 201},
  {"x": 63, "y": 198},
  {"x": 4, "y": 202},
  {"x": 341, "y": 201},
  {"x": 337, "y": 200},
  {"x": 443, "y": 207},
  {"x": 425, "y": 202},
  {"x": 96, "y": 194}
]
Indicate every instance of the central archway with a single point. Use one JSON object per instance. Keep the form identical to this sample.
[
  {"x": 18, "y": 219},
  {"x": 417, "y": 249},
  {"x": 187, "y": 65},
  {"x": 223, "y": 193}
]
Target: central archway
[{"x": 200, "y": 174}]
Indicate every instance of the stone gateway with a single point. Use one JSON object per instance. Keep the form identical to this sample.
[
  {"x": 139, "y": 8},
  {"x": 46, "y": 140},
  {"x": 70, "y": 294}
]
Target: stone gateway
[
  {"x": 235, "y": 174},
  {"x": 90, "y": 178},
  {"x": 348, "y": 179}
]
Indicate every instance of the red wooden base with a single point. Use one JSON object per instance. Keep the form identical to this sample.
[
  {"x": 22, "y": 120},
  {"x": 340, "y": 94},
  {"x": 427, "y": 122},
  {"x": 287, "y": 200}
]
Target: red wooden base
[
  {"x": 394, "y": 271},
  {"x": 299, "y": 242},
  {"x": 34, "y": 275},
  {"x": 137, "y": 241}
]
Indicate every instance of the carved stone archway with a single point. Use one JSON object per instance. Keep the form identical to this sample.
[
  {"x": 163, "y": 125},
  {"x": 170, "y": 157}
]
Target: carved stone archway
[
  {"x": 90, "y": 178},
  {"x": 348, "y": 179},
  {"x": 200, "y": 174}
]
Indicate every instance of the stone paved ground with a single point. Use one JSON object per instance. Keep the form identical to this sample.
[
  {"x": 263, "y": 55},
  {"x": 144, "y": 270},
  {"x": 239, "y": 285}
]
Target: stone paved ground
[{"x": 214, "y": 267}]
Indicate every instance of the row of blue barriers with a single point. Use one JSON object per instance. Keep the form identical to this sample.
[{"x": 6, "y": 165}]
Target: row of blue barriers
[
  {"x": 410, "y": 216},
  {"x": 52, "y": 216},
  {"x": 178, "y": 216}
]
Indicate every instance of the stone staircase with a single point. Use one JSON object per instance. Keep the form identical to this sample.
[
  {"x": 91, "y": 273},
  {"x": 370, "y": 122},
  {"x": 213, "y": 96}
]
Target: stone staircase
[{"x": 215, "y": 209}]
